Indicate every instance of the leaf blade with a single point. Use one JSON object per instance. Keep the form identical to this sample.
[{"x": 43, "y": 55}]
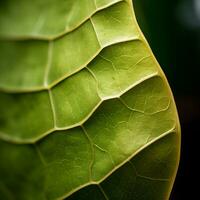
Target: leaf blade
[{"x": 111, "y": 122}]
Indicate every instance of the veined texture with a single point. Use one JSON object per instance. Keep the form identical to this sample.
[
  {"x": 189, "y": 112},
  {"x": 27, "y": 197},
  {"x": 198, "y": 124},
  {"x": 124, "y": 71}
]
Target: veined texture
[{"x": 85, "y": 110}]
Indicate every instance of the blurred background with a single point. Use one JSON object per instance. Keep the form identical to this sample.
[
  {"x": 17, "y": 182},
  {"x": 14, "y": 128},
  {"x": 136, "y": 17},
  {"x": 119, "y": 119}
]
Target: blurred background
[{"x": 172, "y": 28}]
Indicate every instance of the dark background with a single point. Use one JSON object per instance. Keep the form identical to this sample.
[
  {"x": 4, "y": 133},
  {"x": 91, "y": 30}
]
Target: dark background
[{"x": 172, "y": 28}]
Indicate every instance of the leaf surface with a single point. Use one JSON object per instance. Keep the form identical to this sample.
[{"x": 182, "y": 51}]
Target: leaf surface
[{"x": 86, "y": 112}]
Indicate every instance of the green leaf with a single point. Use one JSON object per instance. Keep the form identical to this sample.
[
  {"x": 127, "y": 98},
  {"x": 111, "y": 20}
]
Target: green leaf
[{"x": 86, "y": 111}]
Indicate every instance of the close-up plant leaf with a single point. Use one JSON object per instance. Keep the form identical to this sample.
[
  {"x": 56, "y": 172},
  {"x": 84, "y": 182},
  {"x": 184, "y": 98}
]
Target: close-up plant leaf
[{"x": 85, "y": 109}]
